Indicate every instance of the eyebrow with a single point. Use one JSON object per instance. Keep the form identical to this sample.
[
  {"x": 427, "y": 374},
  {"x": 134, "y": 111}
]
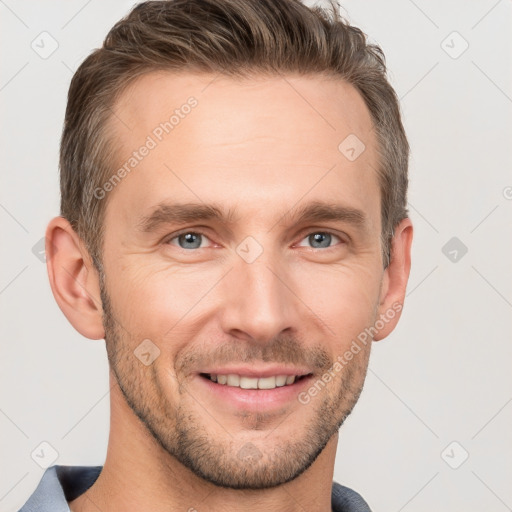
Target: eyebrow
[
  {"x": 315, "y": 211},
  {"x": 180, "y": 213}
]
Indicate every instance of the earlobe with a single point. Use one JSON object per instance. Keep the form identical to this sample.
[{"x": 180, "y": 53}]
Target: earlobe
[
  {"x": 73, "y": 279},
  {"x": 395, "y": 279}
]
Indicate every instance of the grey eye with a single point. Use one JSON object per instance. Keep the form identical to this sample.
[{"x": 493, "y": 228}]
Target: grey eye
[
  {"x": 320, "y": 240},
  {"x": 189, "y": 240}
]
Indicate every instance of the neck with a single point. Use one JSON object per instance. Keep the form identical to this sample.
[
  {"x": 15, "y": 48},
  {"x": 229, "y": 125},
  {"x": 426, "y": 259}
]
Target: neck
[{"x": 139, "y": 474}]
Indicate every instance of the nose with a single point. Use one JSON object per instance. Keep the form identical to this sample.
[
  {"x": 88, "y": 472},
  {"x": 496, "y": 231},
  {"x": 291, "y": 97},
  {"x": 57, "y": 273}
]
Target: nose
[{"x": 259, "y": 300}]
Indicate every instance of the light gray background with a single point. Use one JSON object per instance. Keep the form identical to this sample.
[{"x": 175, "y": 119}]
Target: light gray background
[{"x": 444, "y": 375}]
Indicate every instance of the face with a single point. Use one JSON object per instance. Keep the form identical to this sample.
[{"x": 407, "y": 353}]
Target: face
[{"x": 241, "y": 260}]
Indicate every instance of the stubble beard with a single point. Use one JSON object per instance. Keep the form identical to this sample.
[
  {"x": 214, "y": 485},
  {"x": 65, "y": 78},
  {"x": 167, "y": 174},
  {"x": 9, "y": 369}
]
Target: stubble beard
[{"x": 183, "y": 432}]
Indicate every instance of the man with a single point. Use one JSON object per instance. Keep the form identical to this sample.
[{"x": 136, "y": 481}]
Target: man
[{"x": 234, "y": 225}]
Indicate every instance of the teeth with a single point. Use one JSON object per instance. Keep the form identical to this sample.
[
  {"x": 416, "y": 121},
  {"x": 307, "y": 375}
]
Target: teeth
[
  {"x": 243, "y": 382},
  {"x": 233, "y": 380},
  {"x": 249, "y": 382},
  {"x": 280, "y": 380},
  {"x": 267, "y": 383}
]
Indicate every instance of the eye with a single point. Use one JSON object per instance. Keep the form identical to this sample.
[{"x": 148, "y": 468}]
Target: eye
[
  {"x": 188, "y": 240},
  {"x": 196, "y": 240},
  {"x": 321, "y": 239}
]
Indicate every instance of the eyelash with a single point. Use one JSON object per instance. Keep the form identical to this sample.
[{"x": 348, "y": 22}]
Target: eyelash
[{"x": 196, "y": 232}]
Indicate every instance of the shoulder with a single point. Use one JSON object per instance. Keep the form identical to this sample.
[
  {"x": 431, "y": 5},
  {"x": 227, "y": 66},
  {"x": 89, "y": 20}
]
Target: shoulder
[
  {"x": 58, "y": 486},
  {"x": 345, "y": 499}
]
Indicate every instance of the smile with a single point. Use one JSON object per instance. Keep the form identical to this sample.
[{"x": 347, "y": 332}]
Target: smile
[{"x": 246, "y": 382}]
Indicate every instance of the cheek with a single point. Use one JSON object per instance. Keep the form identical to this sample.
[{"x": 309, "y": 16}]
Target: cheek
[
  {"x": 157, "y": 299},
  {"x": 344, "y": 298}
]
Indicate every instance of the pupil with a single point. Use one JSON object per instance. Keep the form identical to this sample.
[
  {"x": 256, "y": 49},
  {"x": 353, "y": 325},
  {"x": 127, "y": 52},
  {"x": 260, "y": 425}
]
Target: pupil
[
  {"x": 190, "y": 238},
  {"x": 322, "y": 238}
]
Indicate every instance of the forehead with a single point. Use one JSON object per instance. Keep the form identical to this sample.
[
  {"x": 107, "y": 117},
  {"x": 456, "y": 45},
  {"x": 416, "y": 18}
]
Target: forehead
[
  {"x": 243, "y": 106},
  {"x": 252, "y": 141}
]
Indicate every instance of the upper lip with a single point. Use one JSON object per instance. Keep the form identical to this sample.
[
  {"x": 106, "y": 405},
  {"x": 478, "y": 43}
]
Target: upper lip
[{"x": 255, "y": 371}]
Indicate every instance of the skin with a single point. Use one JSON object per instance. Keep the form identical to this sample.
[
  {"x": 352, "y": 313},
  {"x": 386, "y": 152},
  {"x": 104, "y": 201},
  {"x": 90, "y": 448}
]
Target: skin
[{"x": 263, "y": 147}]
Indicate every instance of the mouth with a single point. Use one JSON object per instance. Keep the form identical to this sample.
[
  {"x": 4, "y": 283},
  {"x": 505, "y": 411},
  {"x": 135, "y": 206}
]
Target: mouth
[
  {"x": 254, "y": 382},
  {"x": 253, "y": 387}
]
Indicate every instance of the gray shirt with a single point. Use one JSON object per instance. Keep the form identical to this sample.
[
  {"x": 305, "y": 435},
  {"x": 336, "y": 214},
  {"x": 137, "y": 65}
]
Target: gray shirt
[{"x": 62, "y": 484}]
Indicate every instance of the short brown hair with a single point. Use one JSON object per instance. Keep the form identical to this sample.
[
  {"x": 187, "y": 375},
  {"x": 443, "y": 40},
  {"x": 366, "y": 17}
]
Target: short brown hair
[{"x": 234, "y": 38}]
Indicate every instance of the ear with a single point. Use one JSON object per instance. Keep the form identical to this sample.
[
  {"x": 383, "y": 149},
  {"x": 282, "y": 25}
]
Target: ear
[
  {"x": 394, "y": 282},
  {"x": 74, "y": 279}
]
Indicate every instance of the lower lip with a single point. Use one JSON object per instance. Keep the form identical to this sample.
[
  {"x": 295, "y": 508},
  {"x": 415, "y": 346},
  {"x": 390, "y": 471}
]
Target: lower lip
[{"x": 256, "y": 398}]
